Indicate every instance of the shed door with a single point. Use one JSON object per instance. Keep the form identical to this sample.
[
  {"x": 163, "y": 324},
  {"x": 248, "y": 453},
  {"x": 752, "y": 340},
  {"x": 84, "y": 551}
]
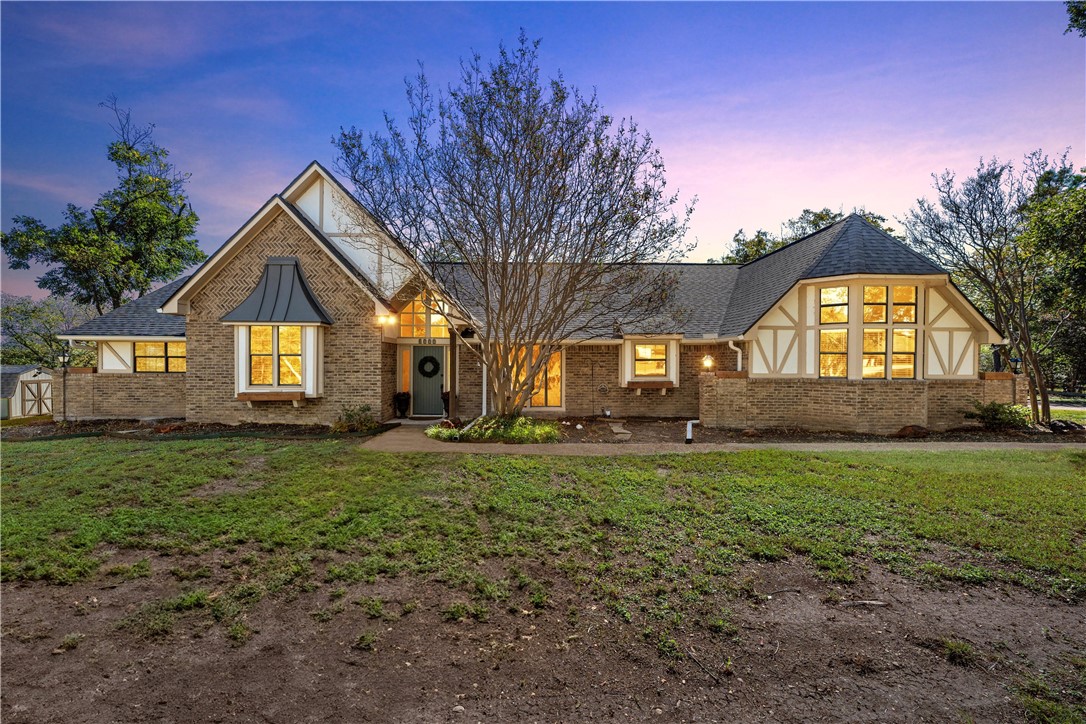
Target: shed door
[
  {"x": 37, "y": 398},
  {"x": 427, "y": 379}
]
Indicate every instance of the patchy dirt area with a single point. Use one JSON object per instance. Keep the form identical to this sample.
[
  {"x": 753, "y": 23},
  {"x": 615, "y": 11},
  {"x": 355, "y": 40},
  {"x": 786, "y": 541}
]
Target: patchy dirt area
[
  {"x": 650, "y": 430},
  {"x": 794, "y": 648}
]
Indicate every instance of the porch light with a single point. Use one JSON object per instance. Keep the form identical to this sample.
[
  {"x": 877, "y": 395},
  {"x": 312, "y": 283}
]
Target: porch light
[
  {"x": 707, "y": 361},
  {"x": 386, "y": 320}
]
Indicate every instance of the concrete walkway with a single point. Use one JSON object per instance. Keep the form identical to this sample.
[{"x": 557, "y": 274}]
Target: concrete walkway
[{"x": 412, "y": 439}]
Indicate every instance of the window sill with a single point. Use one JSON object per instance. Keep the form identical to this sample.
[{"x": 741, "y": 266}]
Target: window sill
[
  {"x": 295, "y": 396},
  {"x": 650, "y": 384}
]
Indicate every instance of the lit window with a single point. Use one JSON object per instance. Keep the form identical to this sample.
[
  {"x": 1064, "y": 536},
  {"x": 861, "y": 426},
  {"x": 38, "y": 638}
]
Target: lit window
[
  {"x": 904, "y": 354},
  {"x": 874, "y": 357},
  {"x": 275, "y": 355},
  {"x": 874, "y": 305},
  {"x": 160, "y": 357},
  {"x": 904, "y": 305},
  {"x": 834, "y": 305},
  {"x": 833, "y": 353},
  {"x": 650, "y": 360},
  {"x": 424, "y": 317},
  {"x": 547, "y": 391}
]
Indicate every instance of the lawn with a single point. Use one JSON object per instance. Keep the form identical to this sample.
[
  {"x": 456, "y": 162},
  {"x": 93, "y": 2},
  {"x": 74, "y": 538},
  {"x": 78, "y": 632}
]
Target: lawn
[
  {"x": 662, "y": 545},
  {"x": 619, "y": 524}
]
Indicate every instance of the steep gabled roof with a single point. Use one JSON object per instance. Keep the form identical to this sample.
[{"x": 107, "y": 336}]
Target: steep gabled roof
[
  {"x": 850, "y": 246},
  {"x": 138, "y": 318}
]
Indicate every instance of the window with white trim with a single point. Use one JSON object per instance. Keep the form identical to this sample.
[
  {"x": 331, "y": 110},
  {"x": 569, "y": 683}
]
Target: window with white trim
[
  {"x": 893, "y": 310},
  {"x": 275, "y": 356},
  {"x": 649, "y": 361},
  {"x": 833, "y": 333}
]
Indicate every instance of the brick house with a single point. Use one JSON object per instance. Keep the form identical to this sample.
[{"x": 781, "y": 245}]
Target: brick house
[{"x": 312, "y": 306}]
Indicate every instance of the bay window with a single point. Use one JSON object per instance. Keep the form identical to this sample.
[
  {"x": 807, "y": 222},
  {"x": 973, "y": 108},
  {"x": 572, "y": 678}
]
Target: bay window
[{"x": 275, "y": 355}]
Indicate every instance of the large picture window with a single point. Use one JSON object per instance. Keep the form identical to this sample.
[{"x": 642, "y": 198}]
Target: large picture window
[
  {"x": 275, "y": 355},
  {"x": 160, "y": 357},
  {"x": 547, "y": 391}
]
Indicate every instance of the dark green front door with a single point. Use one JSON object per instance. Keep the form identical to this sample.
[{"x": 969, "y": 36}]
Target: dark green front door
[{"x": 427, "y": 378}]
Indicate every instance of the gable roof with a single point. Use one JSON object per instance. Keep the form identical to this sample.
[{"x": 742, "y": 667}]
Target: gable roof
[
  {"x": 275, "y": 205},
  {"x": 137, "y": 318},
  {"x": 9, "y": 378},
  {"x": 850, "y": 246}
]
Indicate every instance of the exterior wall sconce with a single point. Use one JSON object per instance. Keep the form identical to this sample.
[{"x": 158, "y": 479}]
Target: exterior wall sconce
[
  {"x": 386, "y": 320},
  {"x": 707, "y": 361}
]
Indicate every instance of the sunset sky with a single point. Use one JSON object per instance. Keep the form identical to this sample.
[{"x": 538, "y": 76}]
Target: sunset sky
[{"x": 759, "y": 109}]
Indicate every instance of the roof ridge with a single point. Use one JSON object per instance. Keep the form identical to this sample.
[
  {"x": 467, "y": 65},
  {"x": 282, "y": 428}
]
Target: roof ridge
[{"x": 839, "y": 235}]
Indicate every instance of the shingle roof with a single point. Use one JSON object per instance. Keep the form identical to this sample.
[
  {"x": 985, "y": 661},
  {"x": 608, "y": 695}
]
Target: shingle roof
[
  {"x": 851, "y": 246},
  {"x": 9, "y": 378},
  {"x": 137, "y": 318},
  {"x": 695, "y": 309}
]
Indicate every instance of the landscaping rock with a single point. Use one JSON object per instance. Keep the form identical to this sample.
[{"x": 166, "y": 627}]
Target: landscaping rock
[
  {"x": 751, "y": 432},
  {"x": 913, "y": 431}
]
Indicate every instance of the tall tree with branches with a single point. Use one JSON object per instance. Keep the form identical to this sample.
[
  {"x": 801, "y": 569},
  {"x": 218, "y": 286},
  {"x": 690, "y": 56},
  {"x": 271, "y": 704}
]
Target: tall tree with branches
[
  {"x": 975, "y": 229},
  {"x": 139, "y": 233},
  {"x": 30, "y": 328},
  {"x": 532, "y": 207}
]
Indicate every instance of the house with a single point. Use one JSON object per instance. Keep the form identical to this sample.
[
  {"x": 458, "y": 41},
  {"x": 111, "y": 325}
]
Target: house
[
  {"x": 25, "y": 391},
  {"x": 312, "y": 306}
]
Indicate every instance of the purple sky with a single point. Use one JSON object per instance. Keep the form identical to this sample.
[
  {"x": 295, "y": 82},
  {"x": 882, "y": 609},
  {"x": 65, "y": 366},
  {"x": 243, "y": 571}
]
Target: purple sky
[{"x": 760, "y": 109}]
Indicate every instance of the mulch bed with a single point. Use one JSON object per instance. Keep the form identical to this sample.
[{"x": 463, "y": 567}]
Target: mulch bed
[
  {"x": 651, "y": 430},
  {"x": 172, "y": 429}
]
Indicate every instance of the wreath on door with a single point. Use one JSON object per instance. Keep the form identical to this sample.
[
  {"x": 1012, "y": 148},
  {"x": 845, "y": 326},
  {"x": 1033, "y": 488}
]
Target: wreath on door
[{"x": 429, "y": 366}]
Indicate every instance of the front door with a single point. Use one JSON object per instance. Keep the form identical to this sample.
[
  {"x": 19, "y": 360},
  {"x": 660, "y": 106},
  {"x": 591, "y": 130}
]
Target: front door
[{"x": 427, "y": 378}]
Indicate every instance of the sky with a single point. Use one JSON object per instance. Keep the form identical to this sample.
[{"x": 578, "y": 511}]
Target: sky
[{"x": 760, "y": 110}]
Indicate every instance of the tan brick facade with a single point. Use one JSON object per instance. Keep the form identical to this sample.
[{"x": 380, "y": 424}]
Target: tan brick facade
[
  {"x": 592, "y": 384},
  {"x": 878, "y": 407},
  {"x": 353, "y": 349},
  {"x": 139, "y": 396}
]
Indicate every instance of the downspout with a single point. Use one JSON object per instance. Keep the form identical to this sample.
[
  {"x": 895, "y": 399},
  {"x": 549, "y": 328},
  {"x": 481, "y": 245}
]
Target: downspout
[
  {"x": 738, "y": 353},
  {"x": 690, "y": 430}
]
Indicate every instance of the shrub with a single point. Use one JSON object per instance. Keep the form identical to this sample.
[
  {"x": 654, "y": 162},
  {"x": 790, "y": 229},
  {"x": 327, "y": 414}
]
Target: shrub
[
  {"x": 500, "y": 429},
  {"x": 355, "y": 419},
  {"x": 1000, "y": 415}
]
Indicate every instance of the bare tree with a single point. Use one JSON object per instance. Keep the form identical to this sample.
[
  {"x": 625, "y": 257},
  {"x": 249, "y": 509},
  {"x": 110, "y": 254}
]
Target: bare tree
[
  {"x": 533, "y": 209},
  {"x": 974, "y": 230}
]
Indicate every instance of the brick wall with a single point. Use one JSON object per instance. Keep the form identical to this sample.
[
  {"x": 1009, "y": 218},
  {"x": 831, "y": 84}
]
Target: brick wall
[
  {"x": 387, "y": 410},
  {"x": 878, "y": 407},
  {"x": 353, "y": 350},
  {"x": 469, "y": 375},
  {"x": 143, "y": 396}
]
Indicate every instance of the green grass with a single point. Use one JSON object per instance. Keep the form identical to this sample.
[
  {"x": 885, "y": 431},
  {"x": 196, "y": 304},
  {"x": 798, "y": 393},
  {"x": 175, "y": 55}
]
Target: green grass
[
  {"x": 500, "y": 429},
  {"x": 1078, "y": 416},
  {"x": 654, "y": 539}
]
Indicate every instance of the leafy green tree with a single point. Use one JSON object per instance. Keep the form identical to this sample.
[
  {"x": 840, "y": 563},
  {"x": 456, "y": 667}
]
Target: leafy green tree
[
  {"x": 547, "y": 204},
  {"x": 139, "y": 233},
  {"x": 1076, "y": 17},
  {"x": 977, "y": 230},
  {"x": 30, "y": 328}
]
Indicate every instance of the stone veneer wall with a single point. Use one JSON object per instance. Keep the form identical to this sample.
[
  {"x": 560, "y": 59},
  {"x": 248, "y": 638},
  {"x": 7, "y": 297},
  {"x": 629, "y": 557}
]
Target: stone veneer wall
[
  {"x": 877, "y": 407},
  {"x": 353, "y": 349},
  {"x": 141, "y": 396}
]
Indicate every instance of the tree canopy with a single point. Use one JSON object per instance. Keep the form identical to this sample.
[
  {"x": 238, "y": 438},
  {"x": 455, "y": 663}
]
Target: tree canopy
[
  {"x": 979, "y": 230},
  {"x": 746, "y": 249},
  {"x": 136, "y": 234},
  {"x": 30, "y": 328},
  {"x": 546, "y": 203},
  {"x": 1076, "y": 17}
]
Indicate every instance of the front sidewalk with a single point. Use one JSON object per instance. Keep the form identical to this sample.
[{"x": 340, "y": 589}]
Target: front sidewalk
[{"x": 412, "y": 438}]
